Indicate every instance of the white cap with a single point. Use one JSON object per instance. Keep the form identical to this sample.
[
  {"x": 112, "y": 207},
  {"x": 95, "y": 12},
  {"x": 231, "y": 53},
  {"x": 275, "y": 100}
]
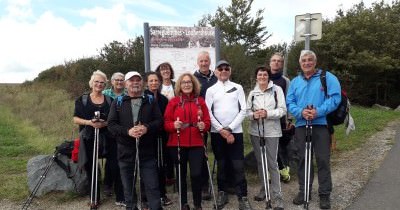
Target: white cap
[{"x": 132, "y": 74}]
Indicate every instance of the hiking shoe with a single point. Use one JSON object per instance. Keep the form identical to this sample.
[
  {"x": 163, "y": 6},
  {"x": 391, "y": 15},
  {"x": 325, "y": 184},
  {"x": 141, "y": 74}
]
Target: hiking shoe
[
  {"x": 324, "y": 202},
  {"x": 206, "y": 194},
  {"x": 285, "y": 174},
  {"x": 185, "y": 206},
  {"x": 222, "y": 199},
  {"x": 260, "y": 196},
  {"x": 166, "y": 201},
  {"x": 244, "y": 204},
  {"x": 120, "y": 203},
  {"x": 299, "y": 199},
  {"x": 108, "y": 190},
  {"x": 278, "y": 203}
]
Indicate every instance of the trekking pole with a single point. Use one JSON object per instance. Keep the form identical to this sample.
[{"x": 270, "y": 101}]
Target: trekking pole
[
  {"x": 208, "y": 168},
  {"x": 178, "y": 133},
  {"x": 307, "y": 165},
  {"x": 28, "y": 201},
  {"x": 160, "y": 153},
  {"x": 94, "y": 184},
  {"x": 264, "y": 163},
  {"x": 137, "y": 165}
]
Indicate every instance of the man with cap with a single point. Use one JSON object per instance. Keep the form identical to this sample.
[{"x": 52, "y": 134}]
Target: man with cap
[
  {"x": 136, "y": 117},
  {"x": 227, "y": 107}
]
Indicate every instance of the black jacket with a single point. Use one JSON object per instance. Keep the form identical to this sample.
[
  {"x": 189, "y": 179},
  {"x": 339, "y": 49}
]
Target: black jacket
[
  {"x": 120, "y": 120},
  {"x": 206, "y": 81}
]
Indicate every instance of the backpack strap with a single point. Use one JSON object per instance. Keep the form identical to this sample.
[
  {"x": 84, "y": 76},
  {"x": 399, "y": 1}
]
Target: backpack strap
[
  {"x": 322, "y": 77},
  {"x": 85, "y": 99}
]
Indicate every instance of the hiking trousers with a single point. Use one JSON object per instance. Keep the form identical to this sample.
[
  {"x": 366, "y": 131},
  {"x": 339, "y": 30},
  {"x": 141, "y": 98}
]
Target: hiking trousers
[{"x": 321, "y": 149}]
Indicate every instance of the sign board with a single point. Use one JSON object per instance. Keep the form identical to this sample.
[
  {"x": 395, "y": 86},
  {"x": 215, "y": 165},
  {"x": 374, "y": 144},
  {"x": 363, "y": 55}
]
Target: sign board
[
  {"x": 180, "y": 46},
  {"x": 311, "y": 22}
]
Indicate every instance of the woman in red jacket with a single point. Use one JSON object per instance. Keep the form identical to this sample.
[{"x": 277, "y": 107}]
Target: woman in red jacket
[{"x": 187, "y": 114}]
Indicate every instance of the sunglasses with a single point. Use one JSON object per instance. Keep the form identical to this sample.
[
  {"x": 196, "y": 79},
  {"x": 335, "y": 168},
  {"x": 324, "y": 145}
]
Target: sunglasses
[{"x": 224, "y": 69}]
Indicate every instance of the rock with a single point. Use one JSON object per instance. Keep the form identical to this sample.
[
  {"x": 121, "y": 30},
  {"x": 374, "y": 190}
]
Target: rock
[
  {"x": 56, "y": 178},
  {"x": 381, "y": 107},
  {"x": 397, "y": 109}
]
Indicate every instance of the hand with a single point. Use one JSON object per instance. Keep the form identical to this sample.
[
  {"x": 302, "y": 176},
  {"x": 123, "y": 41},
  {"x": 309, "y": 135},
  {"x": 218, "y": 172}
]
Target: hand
[
  {"x": 307, "y": 114},
  {"x": 98, "y": 123},
  {"x": 177, "y": 124},
  {"x": 201, "y": 126},
  {"x": 257, "y": 114},
  {"x": 230, "y": 139},
  {"x": 263, "y": 113}
]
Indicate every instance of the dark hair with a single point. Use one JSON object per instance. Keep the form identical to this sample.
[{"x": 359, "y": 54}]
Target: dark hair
[
  {"x": 168, "y": 65},
  {"x": 153, "y": 73},
  {"x": 262, "y": 68}
]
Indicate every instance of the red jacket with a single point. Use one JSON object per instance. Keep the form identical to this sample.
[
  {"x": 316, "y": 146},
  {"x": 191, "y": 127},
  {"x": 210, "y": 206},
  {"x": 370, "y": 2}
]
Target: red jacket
[{"x": 187, "y": 108}]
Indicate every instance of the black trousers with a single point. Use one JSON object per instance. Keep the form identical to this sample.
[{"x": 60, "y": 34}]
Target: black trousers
[
  {"x": 230, "y": 153},
  {"x": 195, "y": 157}
]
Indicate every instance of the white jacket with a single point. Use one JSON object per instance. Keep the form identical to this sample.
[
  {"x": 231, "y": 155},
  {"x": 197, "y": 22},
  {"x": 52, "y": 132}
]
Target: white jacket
[{"x": 266, "y": 100}]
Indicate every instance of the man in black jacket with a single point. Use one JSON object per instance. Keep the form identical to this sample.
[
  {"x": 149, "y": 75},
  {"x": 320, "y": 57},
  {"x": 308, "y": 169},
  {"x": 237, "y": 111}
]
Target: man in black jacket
[{"x": 136, "y": 117}]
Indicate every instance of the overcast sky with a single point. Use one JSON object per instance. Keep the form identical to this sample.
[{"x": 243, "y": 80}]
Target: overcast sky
[{"x": 38, "y": 34}]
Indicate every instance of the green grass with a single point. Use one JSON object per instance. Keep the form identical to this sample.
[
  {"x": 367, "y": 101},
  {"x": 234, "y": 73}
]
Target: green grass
[
  {"x": 368, "y": 121},
  {"x": 17, "y": 145}
]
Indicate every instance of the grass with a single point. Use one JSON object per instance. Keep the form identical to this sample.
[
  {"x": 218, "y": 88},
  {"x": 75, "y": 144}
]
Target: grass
[
  {"x": 368, "y": 121},
  {"x": 16, "y": 147},
  {"x": 33, "y": 120}
]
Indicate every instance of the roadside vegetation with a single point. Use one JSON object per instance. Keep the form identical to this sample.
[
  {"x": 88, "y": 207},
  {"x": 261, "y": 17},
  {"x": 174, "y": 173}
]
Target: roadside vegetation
[{"x": 35, "y": 119}]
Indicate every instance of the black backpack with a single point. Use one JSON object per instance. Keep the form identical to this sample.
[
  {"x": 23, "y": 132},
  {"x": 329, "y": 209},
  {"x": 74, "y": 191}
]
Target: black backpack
[{"x": 338, "y": 116}]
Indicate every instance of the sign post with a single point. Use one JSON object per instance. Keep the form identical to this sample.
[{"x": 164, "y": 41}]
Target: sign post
[{"x": 308, "y": 27}]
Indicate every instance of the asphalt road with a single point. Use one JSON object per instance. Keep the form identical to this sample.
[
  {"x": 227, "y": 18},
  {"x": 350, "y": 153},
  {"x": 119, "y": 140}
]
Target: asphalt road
[{"x": 383, "y": 190}]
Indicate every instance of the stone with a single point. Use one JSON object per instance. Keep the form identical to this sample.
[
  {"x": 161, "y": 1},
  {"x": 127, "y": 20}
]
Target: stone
[
  {"x": 381, "y": 107},
  {"x": 56, "y": 179}
]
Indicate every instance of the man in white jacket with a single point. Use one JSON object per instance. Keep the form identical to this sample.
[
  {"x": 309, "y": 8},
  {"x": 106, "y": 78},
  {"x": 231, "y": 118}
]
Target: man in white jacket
[{"x": 227, "y": 106}]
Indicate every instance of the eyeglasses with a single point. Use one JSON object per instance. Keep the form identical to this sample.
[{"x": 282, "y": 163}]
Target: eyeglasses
[
  {"x": 99, "y": 82},
  {"x": 118, "y": 80},
  {"x": 224, "y": 69},
  {"x": 186, "y": 83}
]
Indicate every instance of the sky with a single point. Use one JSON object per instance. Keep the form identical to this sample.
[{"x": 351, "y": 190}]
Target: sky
[{"x": 38, "y": 34}]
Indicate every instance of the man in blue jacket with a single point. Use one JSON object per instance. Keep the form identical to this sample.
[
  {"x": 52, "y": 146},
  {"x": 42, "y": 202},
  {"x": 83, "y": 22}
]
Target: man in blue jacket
[{"x": 306, "y": 101}]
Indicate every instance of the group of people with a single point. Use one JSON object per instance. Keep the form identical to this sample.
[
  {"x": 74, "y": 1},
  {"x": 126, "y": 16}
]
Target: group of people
[{"x": 167, "y": 125}]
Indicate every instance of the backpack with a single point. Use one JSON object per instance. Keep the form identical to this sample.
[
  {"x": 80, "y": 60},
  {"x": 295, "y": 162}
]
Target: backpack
[
  {"x": 339, "y": 115},
  {"x": 64, "y": 149}
]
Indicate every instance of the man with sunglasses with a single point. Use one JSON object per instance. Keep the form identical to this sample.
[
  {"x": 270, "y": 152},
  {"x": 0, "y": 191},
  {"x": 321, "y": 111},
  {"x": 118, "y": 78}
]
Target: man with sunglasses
[{"x": 227, "y": 107}]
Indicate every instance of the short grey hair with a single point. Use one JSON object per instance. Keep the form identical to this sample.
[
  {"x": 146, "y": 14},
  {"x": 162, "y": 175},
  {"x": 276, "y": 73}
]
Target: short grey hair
[
  {"x": 117, "y": 74},
  {"x": 97, "y": 73},
  {"x": 307, "y": 52}
]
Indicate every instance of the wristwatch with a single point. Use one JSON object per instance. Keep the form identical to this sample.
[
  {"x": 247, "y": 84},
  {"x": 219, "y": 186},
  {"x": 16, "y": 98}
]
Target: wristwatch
[{"x": 228, "y": 129}]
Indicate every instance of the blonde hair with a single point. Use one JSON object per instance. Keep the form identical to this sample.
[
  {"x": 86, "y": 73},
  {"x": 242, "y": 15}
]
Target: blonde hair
[
  {"x": 97, "y": 73},
  {"x": 195, "y": 82}
]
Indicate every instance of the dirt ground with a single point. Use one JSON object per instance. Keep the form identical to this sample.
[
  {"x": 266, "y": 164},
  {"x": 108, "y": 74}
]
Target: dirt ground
[{"x": 350, "y": 171}]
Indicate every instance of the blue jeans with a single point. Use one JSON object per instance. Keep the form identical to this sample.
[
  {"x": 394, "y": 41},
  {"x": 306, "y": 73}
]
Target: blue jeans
[{"x": 148, "y": 175}]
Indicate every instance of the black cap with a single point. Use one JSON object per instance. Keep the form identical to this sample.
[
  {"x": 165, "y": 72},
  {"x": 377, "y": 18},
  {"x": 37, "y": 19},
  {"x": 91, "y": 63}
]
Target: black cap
[{"x": 222, "y": 62}]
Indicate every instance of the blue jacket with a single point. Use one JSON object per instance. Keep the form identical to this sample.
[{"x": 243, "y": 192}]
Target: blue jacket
[{"x": 303, "y": 92}]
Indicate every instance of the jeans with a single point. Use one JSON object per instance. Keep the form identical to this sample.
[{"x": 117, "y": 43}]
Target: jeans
[{"x": 149, "y": 176}]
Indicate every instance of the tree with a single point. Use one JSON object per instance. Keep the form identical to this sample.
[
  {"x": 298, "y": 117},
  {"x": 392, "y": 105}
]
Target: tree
[
  {"x": 237, "y": 26},
  {"x": 362, "y": 48}
]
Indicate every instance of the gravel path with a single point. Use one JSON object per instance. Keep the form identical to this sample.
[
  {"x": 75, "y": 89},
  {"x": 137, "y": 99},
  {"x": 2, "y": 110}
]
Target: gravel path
[{"x": 350, "y": 171}]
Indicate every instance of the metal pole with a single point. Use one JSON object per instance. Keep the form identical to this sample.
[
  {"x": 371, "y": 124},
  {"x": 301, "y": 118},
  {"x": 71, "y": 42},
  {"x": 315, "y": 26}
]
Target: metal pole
[
  {"x": 308, "y": 32},
  {"x": 217, "y": 44},
  {"x": 146, "y": 37}
]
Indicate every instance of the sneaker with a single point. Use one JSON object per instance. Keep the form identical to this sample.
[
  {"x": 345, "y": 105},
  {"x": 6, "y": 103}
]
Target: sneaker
[
  {"x": 260, "y": 196},
  {"x": 285, "y": 174},
  {"x": 222, "y": 199},
  {"x": 324, "y": 202},
  {"x": 299, "y": 199},
  {"x": 120, "y": 203},
  {"x": 166, "y": 201},
  {"x": 185, "y": 206},
  {"x": 244, "y": 204},
  {"x": 107, "y": 191},
  {"x": 145, "y": 206}
]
